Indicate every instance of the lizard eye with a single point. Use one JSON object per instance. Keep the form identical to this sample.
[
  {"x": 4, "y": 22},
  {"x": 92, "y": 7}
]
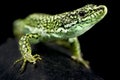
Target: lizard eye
[{"x": 82, "y": 13}]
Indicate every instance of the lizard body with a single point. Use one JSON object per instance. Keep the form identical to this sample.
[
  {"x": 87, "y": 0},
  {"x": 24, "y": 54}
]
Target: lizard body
[{"x": 64, "y": 28}]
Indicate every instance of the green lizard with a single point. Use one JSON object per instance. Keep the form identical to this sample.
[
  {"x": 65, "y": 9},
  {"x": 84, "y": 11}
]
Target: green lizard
[{"x": 63, "y": 28}]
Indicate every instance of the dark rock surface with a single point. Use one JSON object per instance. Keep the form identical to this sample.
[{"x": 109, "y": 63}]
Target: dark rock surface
[{"x": 53, "y": 66}]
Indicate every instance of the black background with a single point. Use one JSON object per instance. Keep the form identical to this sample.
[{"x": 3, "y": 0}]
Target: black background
[{"x": 95, "y": 44}]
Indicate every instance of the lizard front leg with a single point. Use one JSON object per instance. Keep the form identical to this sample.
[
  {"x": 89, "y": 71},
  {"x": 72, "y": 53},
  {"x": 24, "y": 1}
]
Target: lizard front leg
[
  {"x": 74, "y": 45},
  {"x": 76, "y": 52},
  {"x": 25, "y": 49}
]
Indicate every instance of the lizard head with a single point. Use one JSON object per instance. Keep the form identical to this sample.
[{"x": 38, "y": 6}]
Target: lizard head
[
  {"x": 91, "y": 14},
  {"x": 82, "y": 19}
]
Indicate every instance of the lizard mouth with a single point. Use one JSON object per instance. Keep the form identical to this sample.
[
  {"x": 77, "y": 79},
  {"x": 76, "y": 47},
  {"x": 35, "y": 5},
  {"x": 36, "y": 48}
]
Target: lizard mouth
[
  {"x": 100, "y": 11},
  {"x": 94, "y": 14}
]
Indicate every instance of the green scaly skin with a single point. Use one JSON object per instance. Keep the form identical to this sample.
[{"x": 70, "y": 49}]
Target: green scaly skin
[{"x": 63, "y": 28}]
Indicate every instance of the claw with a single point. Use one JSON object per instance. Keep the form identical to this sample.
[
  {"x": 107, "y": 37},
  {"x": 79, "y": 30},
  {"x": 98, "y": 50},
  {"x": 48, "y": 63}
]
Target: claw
[{"x": 17, "y": 61}]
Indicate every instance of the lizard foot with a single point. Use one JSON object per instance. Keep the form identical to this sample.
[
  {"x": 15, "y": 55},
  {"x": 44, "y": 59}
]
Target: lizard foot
[
  {"x": 29, "y": 58},
  {"x": 80, "y": 60}
]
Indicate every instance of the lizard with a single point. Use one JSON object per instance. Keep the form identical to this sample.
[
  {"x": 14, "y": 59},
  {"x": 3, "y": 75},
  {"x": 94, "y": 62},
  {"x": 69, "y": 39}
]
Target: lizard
[{"x": 64, "y": 28}]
